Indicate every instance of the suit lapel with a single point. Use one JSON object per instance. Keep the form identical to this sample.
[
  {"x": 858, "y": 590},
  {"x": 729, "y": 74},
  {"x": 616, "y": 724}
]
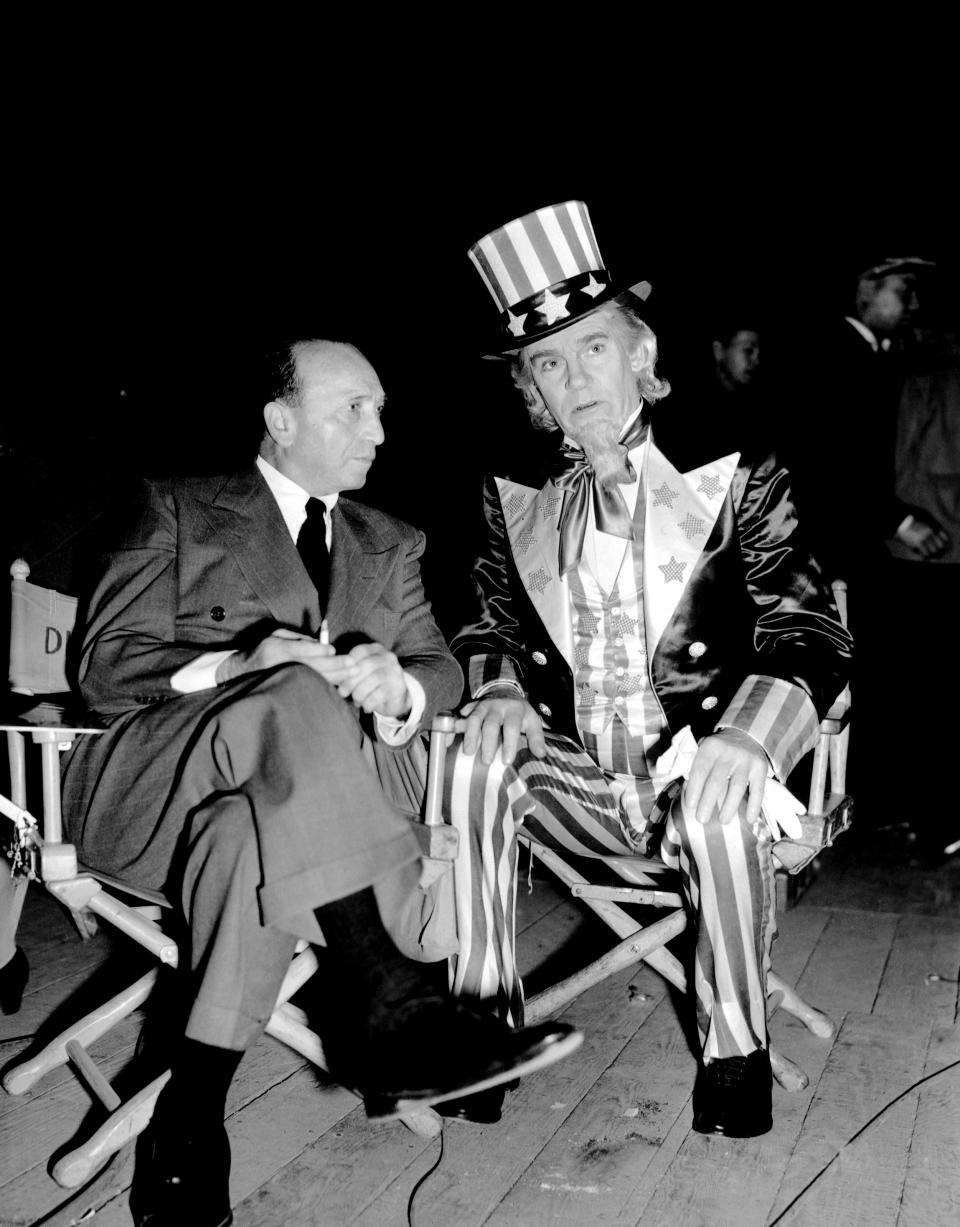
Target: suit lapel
[
  {"x": 246, "y": 517},
  {"x": 531, "y": 518},
  {"x": 360, "y": 562},
  {"x": 681, "y": 510}
]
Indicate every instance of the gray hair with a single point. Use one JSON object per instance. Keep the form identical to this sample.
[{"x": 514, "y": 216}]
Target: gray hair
[{"x": 634, "y": 334}]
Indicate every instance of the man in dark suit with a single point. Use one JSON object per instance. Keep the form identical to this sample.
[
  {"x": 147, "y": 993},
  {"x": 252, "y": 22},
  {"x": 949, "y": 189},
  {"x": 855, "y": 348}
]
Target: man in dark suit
[
  {"x": 647, "y": 612},
  {"x": 854, "y": 479},
  {"x": 261, "y": 699}
]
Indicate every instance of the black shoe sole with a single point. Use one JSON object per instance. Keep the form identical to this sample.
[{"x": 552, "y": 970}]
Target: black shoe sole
[{"x": 388, "y": 1106}]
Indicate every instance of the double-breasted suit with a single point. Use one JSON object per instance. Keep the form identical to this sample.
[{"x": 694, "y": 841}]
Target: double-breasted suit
[{"x": 273, "y": 769}]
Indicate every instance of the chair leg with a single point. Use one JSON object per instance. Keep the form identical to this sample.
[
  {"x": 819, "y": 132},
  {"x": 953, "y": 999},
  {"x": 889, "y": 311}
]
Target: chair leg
[
  {"x": 21, "y": 1078},
  {"x": 790, "y": 1000},
  {"x": 632, "y": 950},
  {"x": 122, "y": 1126}
]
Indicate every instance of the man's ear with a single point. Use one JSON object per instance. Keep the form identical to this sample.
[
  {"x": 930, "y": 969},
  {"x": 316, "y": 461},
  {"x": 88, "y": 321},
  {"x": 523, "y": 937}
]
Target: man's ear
[
  {"x": 280, "y": 423},
  {"x": 642, "y": 356},
  {"x": 717, "y": 351}
]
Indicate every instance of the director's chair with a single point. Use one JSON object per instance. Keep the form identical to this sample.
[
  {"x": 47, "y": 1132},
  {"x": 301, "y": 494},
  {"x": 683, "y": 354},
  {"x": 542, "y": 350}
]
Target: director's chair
[{"x": 41, "y": 622}]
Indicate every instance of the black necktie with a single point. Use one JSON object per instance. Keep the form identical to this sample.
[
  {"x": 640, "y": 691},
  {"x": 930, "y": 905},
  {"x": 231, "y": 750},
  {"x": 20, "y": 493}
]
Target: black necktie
[{"x": 312, "y": 547}]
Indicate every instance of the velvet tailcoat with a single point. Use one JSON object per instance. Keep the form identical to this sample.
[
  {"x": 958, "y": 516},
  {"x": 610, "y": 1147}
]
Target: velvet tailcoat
[{"x": 740, "y": 628}]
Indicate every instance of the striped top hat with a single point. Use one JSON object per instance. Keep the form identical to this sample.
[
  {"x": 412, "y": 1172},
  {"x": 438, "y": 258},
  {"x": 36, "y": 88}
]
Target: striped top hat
[{"x": 544, "y": 272}]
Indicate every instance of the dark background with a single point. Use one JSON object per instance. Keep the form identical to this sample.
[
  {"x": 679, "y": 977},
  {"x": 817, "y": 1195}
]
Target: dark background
[{"x": 155, "y": 245}]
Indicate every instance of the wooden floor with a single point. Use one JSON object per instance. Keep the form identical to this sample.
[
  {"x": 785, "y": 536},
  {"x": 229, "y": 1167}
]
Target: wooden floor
[{"x": 603, "y": 1137}]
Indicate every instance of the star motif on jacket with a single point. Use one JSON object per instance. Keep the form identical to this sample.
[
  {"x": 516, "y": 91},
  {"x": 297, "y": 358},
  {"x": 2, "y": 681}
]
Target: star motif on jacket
[
  {"x": 554, "y": 306},
  {"x": 593, "y": 287},
  {"x": 581, "y": 656},
  {"x": 692, "y": 526},
  {"x": 631, "y": 684},
  {"x": 672, "y": 570},
  {"x": 623, "y": 624},
  {"x": 709, "y": 484},
  {"x": 550, "y": 503},
  {"x": 525, "y": 540},
  {"x": 588, "y": 622},
  {"x": 538, "y": 580},
  {"x": 514, "y": 504},
  {"x": 515, "y": 323},
  {"x": 586, "y": 695},
  {"x": 664, "y": 496}
]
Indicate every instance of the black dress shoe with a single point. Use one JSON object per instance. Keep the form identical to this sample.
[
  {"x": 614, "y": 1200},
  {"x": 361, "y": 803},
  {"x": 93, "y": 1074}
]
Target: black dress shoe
[
  {"x": 439, "y": 1049},
  {"x": 183, "y": 1177},
  {"x": 733, "y": 1096},
  {"x": 13, "y": 980}
]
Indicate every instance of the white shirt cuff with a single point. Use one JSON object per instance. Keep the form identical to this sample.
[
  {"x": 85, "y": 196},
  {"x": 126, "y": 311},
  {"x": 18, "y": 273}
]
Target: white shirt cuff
[
  {"x": 496, "y": 684},
  {"x": 907, "y": 522},
  {"x": 199, "y": 674},
  {"x": 394, "y": 732}
]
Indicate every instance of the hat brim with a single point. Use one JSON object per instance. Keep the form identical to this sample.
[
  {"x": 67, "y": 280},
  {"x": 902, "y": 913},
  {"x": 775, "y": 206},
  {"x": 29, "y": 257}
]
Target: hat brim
[{"x": 508, "y": 347}]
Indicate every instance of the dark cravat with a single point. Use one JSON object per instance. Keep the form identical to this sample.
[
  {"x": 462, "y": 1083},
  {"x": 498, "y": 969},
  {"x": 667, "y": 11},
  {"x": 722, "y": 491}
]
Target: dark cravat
[
  {"x": 574, "y": 476},
  {"x": 312, "y": 547}
]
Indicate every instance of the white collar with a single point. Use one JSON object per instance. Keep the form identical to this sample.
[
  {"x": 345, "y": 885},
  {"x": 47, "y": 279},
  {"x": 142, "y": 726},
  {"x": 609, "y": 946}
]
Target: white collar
[
  {"x": 292, "y": 498},
  {"x": 868, "y": 335}
]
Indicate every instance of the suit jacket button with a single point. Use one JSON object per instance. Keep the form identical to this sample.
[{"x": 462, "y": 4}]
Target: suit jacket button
[
  {"x": 544, "y": 710},
  {"x": 218, "y": 613},
  {"x": 539, "y": 658},
  {"x": 696, "y": 650},
  {"x": 709, "y": 702}
]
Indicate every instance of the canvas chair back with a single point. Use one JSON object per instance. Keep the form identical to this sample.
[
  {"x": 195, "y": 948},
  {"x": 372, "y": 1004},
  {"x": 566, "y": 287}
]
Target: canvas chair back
[{"x": 41, "y": 621}]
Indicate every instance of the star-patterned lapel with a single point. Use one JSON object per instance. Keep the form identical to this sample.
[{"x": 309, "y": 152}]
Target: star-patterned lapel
[
  {"x": 245, "y": 516},
  {"x": 531, "y": 518},
  {"x": 681, "y": 510}
]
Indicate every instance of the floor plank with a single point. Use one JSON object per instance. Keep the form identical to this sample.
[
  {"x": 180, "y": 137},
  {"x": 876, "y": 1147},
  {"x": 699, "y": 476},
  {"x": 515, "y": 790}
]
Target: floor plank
[
  {"x": 920, "y": 978},
  {"x": 604, "y": 1137},
  {"x": 931, "y": 1190},
  {"x": 873, "y": 1060}
]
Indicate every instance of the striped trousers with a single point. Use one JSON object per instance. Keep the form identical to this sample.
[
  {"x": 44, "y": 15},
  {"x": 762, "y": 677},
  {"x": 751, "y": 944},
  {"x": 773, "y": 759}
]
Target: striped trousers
[{"x": 566, "y": 802}]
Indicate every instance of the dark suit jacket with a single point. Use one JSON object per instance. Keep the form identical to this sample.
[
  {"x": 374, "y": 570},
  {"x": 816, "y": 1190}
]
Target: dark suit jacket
[
  {"x": 207, "y": 564},
  {"x": 844, "y": 467},
  {"x": 753, "y": 608}
]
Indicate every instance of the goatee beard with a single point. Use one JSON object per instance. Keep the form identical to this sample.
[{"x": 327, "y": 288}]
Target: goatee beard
[{"x": 607, "y": 457}]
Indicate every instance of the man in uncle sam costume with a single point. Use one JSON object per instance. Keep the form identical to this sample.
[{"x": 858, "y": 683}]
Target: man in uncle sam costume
[{"x": 647, "y": 612}]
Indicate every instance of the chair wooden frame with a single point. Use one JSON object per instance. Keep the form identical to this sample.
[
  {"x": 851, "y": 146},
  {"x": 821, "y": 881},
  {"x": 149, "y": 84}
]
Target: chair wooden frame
[{"x": 44, "y": 857}]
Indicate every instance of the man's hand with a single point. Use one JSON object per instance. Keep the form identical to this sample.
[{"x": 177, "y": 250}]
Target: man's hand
[
  {"x": 375, "y": 681},
  {"x": 368, "y": 674},
  {"x": 500, "y": 718},
  {"x": 925, "y": 537},
  {"x": 282, "y": 647},
  {"x": 727, "y": 765}
]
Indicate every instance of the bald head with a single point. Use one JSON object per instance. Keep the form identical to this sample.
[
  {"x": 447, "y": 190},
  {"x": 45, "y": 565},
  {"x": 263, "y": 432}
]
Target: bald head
[{"x": 323, "y": 430}]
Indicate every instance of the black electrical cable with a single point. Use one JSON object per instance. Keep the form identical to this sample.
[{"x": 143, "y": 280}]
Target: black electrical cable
[
  {"x": 810, "y": 1183},
  {"x": 416, "y": 1188}
]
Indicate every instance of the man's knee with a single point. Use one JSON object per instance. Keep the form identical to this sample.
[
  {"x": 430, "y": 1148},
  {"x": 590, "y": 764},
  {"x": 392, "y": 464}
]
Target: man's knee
[{"x": 691, "y": 830}]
